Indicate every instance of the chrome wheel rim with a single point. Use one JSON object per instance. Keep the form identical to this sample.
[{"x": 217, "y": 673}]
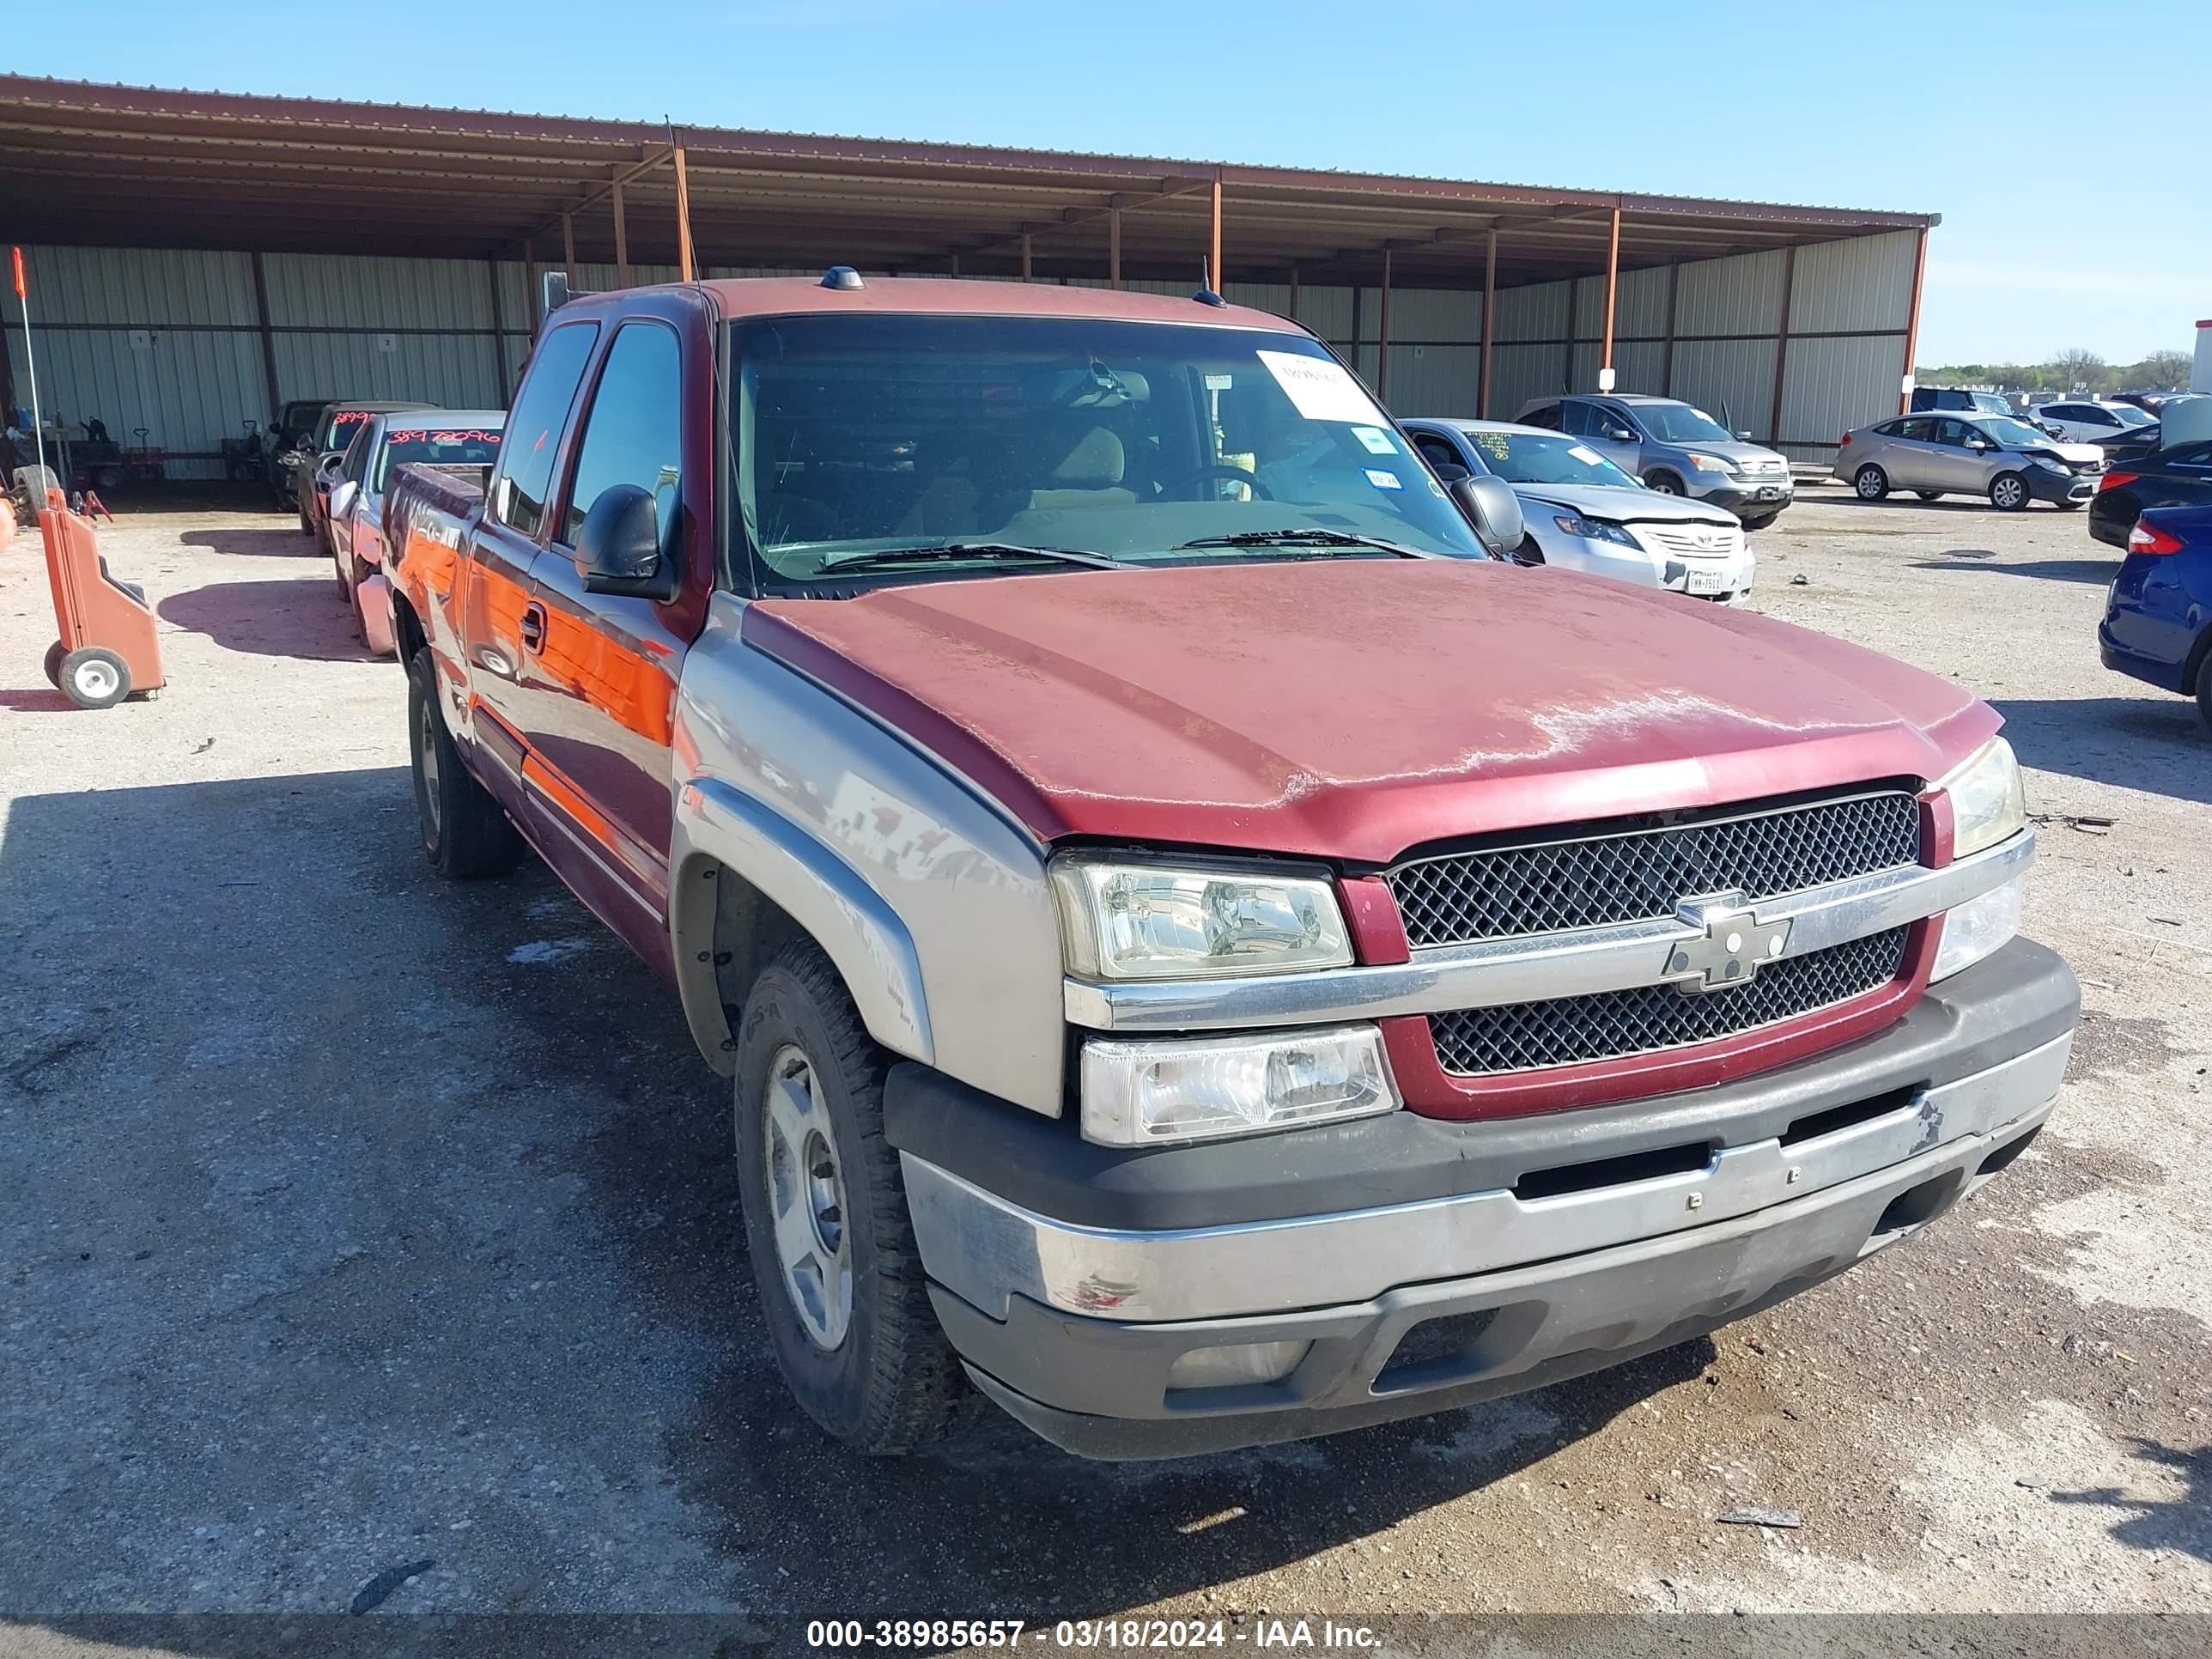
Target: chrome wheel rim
[
  {"x": 2008, "y": 493},
  {"x": 1869, "y": 485},
  {"x": 806, "y": 1199},
  {"x": 95, "y": 680},
  {"x": 425, "y": 753}
]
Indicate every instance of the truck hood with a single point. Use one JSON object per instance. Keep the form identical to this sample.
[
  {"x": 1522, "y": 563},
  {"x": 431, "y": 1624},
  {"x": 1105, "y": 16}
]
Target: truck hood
[
  {"x": 1624, "y": 503},
  {"x": 1352, "y": 709}
]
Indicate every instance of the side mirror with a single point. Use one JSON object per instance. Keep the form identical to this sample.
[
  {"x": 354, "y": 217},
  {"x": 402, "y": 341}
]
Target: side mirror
[
  {"x": 618, "y": 546},
  {"x": 1619, "y": 435},
  {"x": 1743, "y": 437},
  {"x": 342, "y": 498},
  {"x": 1494, "y": 510}
]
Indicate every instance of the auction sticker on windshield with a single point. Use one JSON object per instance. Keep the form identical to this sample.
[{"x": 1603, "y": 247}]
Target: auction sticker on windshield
[
  {"x": 1322, "y": 390},
  {"x": 1376, "y": 440}
]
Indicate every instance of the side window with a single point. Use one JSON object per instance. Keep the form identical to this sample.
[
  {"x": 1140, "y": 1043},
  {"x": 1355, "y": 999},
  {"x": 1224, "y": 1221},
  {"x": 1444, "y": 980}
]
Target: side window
[
  {"x": 1578, "y": 418},
  {"x": 1919, "y": 431},
  {"x": 2060, "y": 412},
  {"x": 1953, "y": 433},
  {"x": 1438, "y": 451},
  {"x": 533, "y": 426},
  {"x": 1547, "y": 417},
  {"x": 633, "y": 433},
  {"x": 2096, "y": 416},
  {"x": 354, "y": 467}
]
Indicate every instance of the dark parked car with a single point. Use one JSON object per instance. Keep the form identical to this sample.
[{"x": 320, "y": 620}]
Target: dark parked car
[
  {"x": 2133, "y": 444},
  {"x": 2158, "y": 621},
  {"x": 317, "y": 472},
  {"x": 2149, "y": 402},
  {"x": 2181, "y": 477}
]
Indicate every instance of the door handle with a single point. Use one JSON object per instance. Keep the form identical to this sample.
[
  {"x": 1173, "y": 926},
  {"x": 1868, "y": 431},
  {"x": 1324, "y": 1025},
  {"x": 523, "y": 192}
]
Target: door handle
[{"x": 533, "y": 628}]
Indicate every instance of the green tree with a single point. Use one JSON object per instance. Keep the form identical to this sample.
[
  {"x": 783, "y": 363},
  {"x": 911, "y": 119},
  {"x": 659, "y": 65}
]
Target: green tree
[{"x": 2161, "y": 371}]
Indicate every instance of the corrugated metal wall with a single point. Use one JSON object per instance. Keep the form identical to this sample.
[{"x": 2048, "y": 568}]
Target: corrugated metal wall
[{"x": 171, "y": 341}]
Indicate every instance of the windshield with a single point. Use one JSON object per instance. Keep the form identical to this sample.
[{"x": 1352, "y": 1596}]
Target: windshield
[
  {"x": 437, "y": 446},
  {"x": 1991, "y": 403},
  {"x": 1679, "y": 423},
  {"x": 2014, "y": 435},
  {"x": 1545, "y": 458},
  {"x": 338, "y": 432},
  {"x": 860, "y": 436},
  {"x": 2130, "y": 415}
]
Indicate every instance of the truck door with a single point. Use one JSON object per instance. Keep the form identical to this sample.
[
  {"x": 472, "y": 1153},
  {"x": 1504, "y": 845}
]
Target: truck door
[
  {"x": 495, "y": 604},
  {"x": 600, "y": 680}
]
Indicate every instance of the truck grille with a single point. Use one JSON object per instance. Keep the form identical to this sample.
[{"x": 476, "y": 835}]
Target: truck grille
[
  {"x": 1611, "y": 1024},
  {"x": 1643, "y": 875}
]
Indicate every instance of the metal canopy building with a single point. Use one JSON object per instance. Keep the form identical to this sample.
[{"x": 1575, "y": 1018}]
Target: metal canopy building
[{"x": 196, "y": 259}]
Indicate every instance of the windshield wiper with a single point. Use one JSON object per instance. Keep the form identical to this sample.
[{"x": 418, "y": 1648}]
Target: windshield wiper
[
  {"x": 970, "y": 550},
  {"x": 1312, "y": 536}
]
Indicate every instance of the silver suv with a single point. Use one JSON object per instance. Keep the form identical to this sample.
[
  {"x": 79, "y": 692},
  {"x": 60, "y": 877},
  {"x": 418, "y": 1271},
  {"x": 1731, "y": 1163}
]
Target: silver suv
[
  {"x": 1675, "y": 448},
  {"x": 1998, "y": 456}
]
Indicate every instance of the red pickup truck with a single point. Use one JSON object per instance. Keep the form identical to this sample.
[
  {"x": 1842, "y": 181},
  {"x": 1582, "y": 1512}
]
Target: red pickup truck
[{"x": 1205, "y": 954}]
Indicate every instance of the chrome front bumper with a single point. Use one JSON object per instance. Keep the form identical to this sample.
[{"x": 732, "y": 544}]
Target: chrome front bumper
[{"x": 991, "y": 1253}]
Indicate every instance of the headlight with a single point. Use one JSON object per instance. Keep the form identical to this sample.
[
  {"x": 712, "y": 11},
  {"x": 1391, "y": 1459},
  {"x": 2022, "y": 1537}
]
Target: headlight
[
  {"x": 1147, "y": 1093},
  {"x": 1594, "y": 530},
  {"x": 1974, "y": 929},
  {"x": 1711, "y": 464},
  {"x": 1988, "y": 800},
  {"x": 1148, "y": 922}
]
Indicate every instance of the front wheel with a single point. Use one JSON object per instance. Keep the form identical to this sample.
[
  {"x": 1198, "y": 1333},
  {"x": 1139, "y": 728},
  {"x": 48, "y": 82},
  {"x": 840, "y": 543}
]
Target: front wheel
[
  {"x": 2009, "y": 492},
  {"x": 1665, "y": 482},
  {"x": 94, "y": 678},
  {"x": 464, "y": 833},
  {"x": 841, "y": 1287},
  {"x": 1871, "y": 483}
]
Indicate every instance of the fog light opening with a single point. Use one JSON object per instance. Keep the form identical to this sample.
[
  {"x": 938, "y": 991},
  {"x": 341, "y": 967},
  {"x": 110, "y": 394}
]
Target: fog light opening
[{"x": 1239, "y": 1364}]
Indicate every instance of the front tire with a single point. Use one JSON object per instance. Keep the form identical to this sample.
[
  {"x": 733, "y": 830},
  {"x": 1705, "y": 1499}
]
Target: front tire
[
  {"x": 841, "y": 1287},
  {"x": 2009, "y": 492},
  {"x": 465, "y": 834},
  {"x": 1930, "y": 494},
  {"x": 1871, "y": 483},
  {"x": 94, "y": 677},
  {"x": 1665, "y": 482},
  {"x": 1759, "y": 521}
]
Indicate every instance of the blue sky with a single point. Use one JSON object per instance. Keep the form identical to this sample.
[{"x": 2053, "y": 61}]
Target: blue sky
[{"x": 2046, "y": 243}]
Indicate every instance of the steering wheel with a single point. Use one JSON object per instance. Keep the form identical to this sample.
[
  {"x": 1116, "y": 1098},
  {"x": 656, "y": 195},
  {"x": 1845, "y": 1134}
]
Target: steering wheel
[{"x": 1236, "y": 473}]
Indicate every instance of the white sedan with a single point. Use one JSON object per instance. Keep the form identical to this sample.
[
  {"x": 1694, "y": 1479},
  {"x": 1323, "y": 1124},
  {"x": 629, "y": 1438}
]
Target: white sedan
[
  {"x": 1583, "y": 512},
  {"x": 2087, "y": 421}
]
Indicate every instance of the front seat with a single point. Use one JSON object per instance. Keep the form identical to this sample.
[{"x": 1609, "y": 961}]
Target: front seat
[{"x": 1088, "y": 473}]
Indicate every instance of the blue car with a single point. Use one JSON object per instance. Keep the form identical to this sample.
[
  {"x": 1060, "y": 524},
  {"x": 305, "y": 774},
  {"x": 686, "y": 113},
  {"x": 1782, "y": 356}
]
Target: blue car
[{"x": 2157, "y": 620}]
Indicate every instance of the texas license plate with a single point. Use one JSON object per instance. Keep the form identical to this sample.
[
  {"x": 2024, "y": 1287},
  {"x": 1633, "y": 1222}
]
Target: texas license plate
[
  {"x": 1770, "y": 493},
  {"x": 1708, "y": 581}
]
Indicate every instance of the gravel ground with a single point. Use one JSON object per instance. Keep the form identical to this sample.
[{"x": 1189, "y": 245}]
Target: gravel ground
[{"x": 352, "y": 1224}]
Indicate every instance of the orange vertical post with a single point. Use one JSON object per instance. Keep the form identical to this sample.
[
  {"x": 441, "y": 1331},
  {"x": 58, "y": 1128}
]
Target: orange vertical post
[
  {"x": 1912, "y": 324},
  {"x": 1213, "y": 266},
  {"x": 684, "y": 251},
  {"x": 1114, "y": 247},
  {"x": 1612, "y": 290},
  {"x": 1489, "y": 306}
]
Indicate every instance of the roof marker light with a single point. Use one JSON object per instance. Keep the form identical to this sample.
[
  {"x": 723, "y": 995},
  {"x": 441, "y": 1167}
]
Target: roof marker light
[{"x": 843, "y": 278}]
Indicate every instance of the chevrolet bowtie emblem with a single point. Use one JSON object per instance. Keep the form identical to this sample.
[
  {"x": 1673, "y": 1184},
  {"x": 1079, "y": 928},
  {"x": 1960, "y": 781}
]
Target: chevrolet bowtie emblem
[{"x": 1732, "y": 944}]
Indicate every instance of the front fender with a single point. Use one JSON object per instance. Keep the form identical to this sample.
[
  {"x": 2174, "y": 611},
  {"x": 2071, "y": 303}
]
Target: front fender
[
  {"x": 717, "y": 825},
  {"x": 929, "y": 896}
]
